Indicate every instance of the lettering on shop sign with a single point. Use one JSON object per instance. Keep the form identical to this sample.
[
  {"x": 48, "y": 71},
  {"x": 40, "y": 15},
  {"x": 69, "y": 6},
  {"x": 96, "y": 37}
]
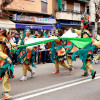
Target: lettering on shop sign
[
  {"x": 34, "y": 19},
  {"x": 34, "y": 26},
  {"x": 74, "y": 23}
]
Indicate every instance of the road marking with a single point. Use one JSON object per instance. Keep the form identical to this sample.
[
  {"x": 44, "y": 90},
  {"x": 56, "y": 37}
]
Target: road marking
[
  {"x": 53, "y": 86},
  {"x": 55, "y": 89}
]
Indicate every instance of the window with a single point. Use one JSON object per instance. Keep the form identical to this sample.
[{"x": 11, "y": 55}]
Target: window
[
  {"x": 77, "y": 7},
  {"x": 30, "y": 0},
  {"x": 44, "y": 5},
  {"x": 0, "y": 13},
  {"x": 87, "y": 9},
  {"x": 64, "y": 5},
  {"x": 44, "y": 0}
]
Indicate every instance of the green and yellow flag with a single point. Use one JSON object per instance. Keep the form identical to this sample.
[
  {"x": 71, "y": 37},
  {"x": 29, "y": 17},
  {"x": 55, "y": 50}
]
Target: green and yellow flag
[
  {"x": 60, "y": 5},
  {"x": 79, "y": 42}
]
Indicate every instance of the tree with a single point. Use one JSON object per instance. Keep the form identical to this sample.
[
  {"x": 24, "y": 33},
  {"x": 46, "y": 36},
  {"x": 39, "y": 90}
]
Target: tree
[
  {"x": 5, "y": 3},
  {"x": 97, "y": 14}
]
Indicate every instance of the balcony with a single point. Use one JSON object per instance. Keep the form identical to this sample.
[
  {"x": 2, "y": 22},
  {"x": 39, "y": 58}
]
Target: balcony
[{"x": 69, "y": 15}]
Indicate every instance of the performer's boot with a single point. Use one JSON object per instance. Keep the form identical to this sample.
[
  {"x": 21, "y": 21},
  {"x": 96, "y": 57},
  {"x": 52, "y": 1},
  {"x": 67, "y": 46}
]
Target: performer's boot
[
  {"x": 70, "y": 70},
  {"x": 6, "y": 96},
  {"x": 85, "y": 74},
  {"x": 72, "y": 67},
  {"x": 57, "y": 71},
  {"x": 93, "y": 73},
  {"x": 99, "y": 61},
  {"x": 96, "y": 61},
  {"x": 32, "y": 73},
  {"x": 24, "y": 78}
]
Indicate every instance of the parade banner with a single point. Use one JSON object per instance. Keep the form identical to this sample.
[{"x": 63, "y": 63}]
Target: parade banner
[
  {"x": 79, "y": 42},
  {"x": 37, "y": 41}
]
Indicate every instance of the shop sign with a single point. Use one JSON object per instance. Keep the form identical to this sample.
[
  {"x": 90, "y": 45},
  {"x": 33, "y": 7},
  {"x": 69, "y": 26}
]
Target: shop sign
[
  {"x": 34, "y": 19},
  {"x": 70, "y": 22},
  {"x": 23, "y": 26}
]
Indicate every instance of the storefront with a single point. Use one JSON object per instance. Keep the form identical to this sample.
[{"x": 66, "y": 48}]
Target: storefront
[
  {"x": 66, "y": 24},
  {"x": 34, "y": 23}
]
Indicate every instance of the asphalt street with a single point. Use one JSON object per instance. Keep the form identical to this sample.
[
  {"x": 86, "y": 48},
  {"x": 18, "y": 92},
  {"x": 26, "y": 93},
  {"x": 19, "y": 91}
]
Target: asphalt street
[{"x": 47, "y": 86}]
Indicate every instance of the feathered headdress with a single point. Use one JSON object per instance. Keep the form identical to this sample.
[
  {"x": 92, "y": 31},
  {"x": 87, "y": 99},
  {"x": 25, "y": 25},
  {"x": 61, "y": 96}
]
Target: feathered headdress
[{"x": 85, "y": 21}]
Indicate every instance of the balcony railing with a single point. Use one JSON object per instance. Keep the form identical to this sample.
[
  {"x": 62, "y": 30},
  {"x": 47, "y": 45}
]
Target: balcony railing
[
  {"x": 69, "y": 15},
  {"x": 72, "y": 11}
]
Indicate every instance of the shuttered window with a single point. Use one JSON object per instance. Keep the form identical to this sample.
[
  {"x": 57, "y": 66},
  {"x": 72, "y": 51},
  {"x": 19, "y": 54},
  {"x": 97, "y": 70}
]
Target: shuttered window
[
  {"x": 76, "y": 7},
  {"x": 44, "y": 5}
]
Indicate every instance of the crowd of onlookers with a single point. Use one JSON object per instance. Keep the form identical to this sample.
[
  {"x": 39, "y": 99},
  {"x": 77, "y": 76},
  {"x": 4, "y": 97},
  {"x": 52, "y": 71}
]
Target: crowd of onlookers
[{"x": 42, "y": 53}]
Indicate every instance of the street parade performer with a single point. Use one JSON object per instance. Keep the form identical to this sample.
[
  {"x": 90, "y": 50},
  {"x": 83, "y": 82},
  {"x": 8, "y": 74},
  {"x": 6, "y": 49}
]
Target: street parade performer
[
  {"x": 60, "y": 56},
  {"x": 26, "y": 55},
  {"x": 74, "y": 48},
  {"x": 59, "y": 51},
  {"x": 97, "y": 43},
  {"x": 6, "y": 66},
  {"x": 69, "y": 55},
  {"x": 86, "y": 53}
]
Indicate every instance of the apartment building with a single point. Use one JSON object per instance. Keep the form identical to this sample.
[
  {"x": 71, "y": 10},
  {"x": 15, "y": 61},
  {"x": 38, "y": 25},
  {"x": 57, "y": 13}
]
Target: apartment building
[
  {"x": 71, "y": 13},
  {"x": 35, "y": 14},
  {"x": 44, "y": 13}
]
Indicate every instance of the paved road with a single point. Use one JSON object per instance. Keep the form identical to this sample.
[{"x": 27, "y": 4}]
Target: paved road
[{"x": 47, "y": 86}]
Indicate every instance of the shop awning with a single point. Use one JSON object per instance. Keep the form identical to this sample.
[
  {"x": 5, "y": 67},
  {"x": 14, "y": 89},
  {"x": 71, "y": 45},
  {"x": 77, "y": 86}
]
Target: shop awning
[
  {"x": 7, "y": 24},
  {"x": 84, "y": 0},
  {"x": 23, "y": 26},
  {"x": 73, "y": 23}
]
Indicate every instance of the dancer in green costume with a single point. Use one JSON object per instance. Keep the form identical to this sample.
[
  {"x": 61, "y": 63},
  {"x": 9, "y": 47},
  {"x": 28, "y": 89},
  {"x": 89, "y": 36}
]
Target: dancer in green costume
[{"x": 86, "y": 54}]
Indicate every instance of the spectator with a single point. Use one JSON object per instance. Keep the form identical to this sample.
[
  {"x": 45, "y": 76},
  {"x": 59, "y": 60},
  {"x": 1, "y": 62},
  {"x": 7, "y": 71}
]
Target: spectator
[
  {"x": 17, "y": 38},
  {"x": 12, "y": 40},
  {"x": 43, "y": 53},
  {"x": 36, "y": 34},
  {"x": 58, "y": 32},
  {"x": 65, "y": 30}
]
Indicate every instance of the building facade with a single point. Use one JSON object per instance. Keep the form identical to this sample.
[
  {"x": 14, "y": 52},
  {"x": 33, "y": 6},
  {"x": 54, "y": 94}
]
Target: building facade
[
  {"x": 71, "y": 13},
  {"x": 35, "y": 14},
  {"x": 38, "y": 6}
]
